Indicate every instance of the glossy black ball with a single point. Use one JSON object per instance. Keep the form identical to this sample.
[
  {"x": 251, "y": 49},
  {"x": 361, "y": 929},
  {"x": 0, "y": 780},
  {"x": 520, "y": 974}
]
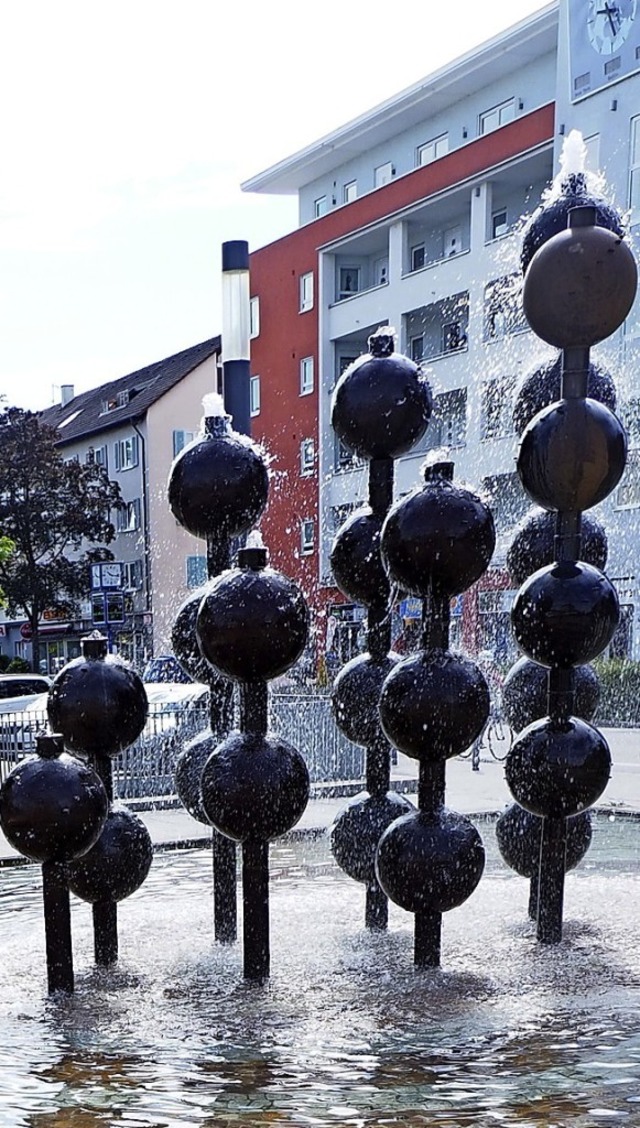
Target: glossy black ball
[
  {"x": 119, "y": 861},
  {"x": 355, "y": 697},
  {"x": 218, "y": 485},
  {"x": 430, "y": 861},
  {"x": 252, "y": 624},
  {"x": 357, "y": 830},
  {"x": 565, "y": 614},
  {"x": 519, "y": 834},
  {"x": 579, "y": 287},
  {"x": 183, "y": 637},
  {"x": 355, "y": 559},
  {"x": 381, "y": 406},
  {"x": 99, "y": 705},
  {"x": 254, "y": 787},
  {"x": 533, "y": 544},
  {"x": 524, "y": 693},
  {"x": 542, "y": 387},
  {"x": 552, "y": 216},
  {"x": 434, "y": 705},
  {"x": 572, "y": 455},
  {"x": 441, "y": 535},
  {"x": 558, "y": 770},
  {"x": 54, "y": 809},
  {"x": 188, "y": 773}
]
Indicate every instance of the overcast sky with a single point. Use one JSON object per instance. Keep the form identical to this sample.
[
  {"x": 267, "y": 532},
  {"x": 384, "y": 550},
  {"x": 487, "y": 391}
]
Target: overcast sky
[{"x": 126, "y": 131}]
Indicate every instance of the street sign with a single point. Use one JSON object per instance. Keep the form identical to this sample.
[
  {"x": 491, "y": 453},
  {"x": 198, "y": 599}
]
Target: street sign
[{"x": 26, "y": 631}]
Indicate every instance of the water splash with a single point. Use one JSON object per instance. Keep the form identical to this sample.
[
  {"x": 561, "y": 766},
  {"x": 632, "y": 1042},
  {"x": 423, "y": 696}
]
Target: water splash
[{"x": 573, "y": 176}]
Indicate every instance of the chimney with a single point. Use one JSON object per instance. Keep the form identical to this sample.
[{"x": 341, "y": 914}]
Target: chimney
[{"x": 66, "y": 394}]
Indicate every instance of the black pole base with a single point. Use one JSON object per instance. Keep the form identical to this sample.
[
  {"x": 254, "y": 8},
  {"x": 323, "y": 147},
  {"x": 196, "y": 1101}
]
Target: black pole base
[
  {"x": 376, "y": 915},
  {"x": 427, "y": 939},
  {"x": 57, "y": 927},
  {"x": 225, "y": 911},
  {"x": 105, "y": 933},
  {"x": 255, "y": 892},
  {"x": 551, "y": 889}
]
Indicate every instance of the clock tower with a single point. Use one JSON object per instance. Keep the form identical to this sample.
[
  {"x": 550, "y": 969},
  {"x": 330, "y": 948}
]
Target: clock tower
[{"x": 604, "y": 43}]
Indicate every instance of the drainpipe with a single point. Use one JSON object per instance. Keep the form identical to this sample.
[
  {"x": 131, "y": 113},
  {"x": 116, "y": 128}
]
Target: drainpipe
[{"x": 146, "y": 557}]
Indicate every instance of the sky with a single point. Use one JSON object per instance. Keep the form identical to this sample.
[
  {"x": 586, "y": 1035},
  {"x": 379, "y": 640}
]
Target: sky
[{"x": 126, "y": 131}]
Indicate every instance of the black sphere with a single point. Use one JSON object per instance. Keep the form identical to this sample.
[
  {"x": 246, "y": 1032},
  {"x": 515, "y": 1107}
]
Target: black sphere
[
  {"x": 430, "y": 861},
  {"x": 254, "y": 787},
  {"x": 188, "y": 773},
  {"x": 558, "y": 770},
  {"x": 579, "y": 287},
  {"x": 358, "y": 828},
  {"x": 439, "y": 536},
  {"x": 183, "y": 637},
  {"x": 525, "y": 689},
  {"x": 519, "y": 834},
  {"x": 252, "y": 623},
  {"x": 118, "y": 863},
  {"x": 533, "y": 544},
  {"x": 218, "y": 485},
  {"x": 565, "y": 614},
  {"x": 572, "y": 455},
  {"x": 434, "y": 705},
  {"x": 355, "y": 697},
  {"x": 52, "y": 809},
  {"x": 542, "y": 387},
  {"x": 355, "y": 559},
  {"x": 552, "y": 216},
  {"x": 98, "y": 704},
  {"x": 382, "y": 404}
]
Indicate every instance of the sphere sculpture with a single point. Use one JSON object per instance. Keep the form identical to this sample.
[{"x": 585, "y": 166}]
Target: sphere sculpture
[
  {"x": 579, "y": 285},
  {"x": 542, "y": 386},
  {"x": 435, "y": 543},
  {"x": 99, "y": 705},
  {"x": 381, "y": 407},
  {"x": 53, "y": 809},
  {"x": 218, "y": 488},
  {"x": 252, "y": 626},
  {"x": 519, "y": 836}
]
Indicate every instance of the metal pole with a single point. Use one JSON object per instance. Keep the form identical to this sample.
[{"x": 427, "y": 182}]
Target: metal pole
[
  {"x": 236, "y": 367},
  {"x": 105, "y": 913},
  {"x": 57, "y": 927}
]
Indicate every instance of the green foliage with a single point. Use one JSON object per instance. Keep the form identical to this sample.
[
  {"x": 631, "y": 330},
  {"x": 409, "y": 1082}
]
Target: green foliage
[
  {"x": 6, "y": 548},
  {"x": 619, "y": 692},
  {"x": 4, "y": 662},
  {"x": 56, "y": 513},
  {"x": 18, "y": 666}
]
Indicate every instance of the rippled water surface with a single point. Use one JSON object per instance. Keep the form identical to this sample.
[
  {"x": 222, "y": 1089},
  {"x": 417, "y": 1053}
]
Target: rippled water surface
[{"x": 346, "y": 1032}]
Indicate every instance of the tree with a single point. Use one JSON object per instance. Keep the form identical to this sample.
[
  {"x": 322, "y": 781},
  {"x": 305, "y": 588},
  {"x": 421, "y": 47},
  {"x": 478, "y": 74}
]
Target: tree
[
  {"x": 56, "y": 513},
  {"x": 6, "y": 548}
]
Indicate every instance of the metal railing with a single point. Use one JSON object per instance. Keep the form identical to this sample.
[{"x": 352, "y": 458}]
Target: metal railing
[{"x": 146, "y": 768}]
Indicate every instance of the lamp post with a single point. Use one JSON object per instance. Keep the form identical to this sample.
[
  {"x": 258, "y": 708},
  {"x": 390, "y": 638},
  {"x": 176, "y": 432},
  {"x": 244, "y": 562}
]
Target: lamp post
[{"x": 236, "y": 332}]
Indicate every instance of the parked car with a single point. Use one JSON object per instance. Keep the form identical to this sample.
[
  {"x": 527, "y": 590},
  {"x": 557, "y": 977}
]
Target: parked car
[
  {"x": 165, "y": 668},
  {"x": 16, "y": 686}
]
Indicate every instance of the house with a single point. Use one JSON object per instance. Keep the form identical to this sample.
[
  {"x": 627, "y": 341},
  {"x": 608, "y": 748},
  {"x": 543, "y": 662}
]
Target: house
[
  {"x": 134, "y": 427},
  {"x": 410, "y": 216}
]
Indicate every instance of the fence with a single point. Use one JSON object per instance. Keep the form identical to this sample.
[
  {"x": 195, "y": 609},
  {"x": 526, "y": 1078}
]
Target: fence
[{"x": 146, "y": 768}]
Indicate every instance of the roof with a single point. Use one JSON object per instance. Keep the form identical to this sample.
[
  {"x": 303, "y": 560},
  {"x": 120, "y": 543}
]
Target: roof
[
  {"x": 84, "y": 415},
  {"x": 509, "y": 51}
]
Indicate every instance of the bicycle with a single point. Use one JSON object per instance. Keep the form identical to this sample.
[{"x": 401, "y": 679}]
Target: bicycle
[{"x": 496, "y": 735}]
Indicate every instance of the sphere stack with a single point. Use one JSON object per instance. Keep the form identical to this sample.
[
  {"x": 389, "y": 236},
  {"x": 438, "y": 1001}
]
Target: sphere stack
[
  {"x": 579, "y": 286},
  {"x": 435, "y": 543},
  {"x": 381, "y": 407}
]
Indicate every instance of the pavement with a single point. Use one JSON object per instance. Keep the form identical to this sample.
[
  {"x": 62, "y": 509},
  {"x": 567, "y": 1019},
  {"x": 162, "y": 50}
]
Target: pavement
[{"x": 482, "y": 792}]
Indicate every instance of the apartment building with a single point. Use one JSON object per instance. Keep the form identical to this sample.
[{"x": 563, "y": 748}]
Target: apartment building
[{"x": 411, "y": 216}]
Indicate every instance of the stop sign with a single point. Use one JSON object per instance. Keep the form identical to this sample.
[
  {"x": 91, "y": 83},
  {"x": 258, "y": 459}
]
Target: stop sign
[{"x": 26, "y": 630}]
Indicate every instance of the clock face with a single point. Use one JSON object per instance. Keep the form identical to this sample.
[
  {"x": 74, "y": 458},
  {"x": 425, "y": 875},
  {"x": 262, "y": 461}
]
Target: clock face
[
  {"x": 111, "y": 575},
  {"x": 609, "y": 23}
]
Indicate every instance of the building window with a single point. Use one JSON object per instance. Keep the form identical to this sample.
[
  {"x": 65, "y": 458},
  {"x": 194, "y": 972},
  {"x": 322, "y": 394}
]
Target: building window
[
  {"x": 503, "y": 313},
  {"x": 132, "y": 575},
  {"x": 350, "y": 191},
  {"x": 452, "y": 241},
  {"x": 629, "y": 413},
  {"x": 306, "y": 292},
  {"x": 97, "y": 456},
  {"x": 448, "y": 426},
  {"x": 128, "y": 516},
  {"x": 181, "y": 439},
  {"x": 499, "y": 225},
  {"x": 496, "y": 408},
  {"x": 416, "y": 348},
  {"x": 126, "y": 453},
  {"x": 453, "y": 337},
  {"x": 628, "y": 492},
  {"x": 382, "y": 174},
  {"x": 307, "y": 536},
  {"x": 348, "y": 281},
  {"x": 497, "y": 116},
  {"x": 254, "y": 317},
  {"x": 114, "y": 401},
  {"x": 196, "y": 571},
  {"x": 508, "y": 503},
  {"x": 306, "y": 375},
  {"x": 634, "y": 173},
  {"x": 433, "y": 149},
  {"x": 418, "y": 257},
  {"x": 307, "y": 456},
  {"x": 320, "y": 206},
  {"x": 254, "y": 395}
]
